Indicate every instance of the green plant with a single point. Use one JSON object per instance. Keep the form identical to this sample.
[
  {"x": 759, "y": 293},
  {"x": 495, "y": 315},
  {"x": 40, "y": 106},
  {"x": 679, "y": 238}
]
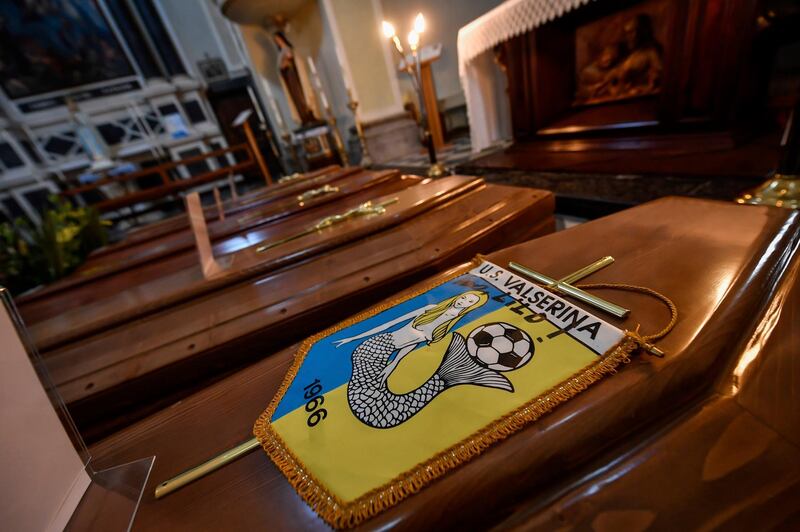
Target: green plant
[{"x": 30, "y": 256}]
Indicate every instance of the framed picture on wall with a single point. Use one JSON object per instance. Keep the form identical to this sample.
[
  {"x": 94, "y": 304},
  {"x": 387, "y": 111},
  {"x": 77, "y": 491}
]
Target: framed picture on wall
[{"x": 53, "y": 48}]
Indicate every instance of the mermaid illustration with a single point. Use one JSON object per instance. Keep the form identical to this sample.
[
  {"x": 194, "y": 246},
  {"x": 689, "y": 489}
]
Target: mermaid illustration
[{"x": 367, "y": 392}]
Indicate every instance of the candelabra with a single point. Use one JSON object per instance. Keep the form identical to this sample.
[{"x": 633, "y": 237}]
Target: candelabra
[
  {"x": 366, "y": 160},
  {"x": 414, "y": 71},
  {"x": 287, "y": 141},
  {"x": 337, "y": 137},
  {"x": 783, "y": 188}
]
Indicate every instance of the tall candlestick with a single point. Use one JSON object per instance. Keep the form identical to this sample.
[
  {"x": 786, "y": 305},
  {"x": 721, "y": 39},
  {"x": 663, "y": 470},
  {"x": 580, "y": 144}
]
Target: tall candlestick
[
  {"x": 337, "y": 137},
  {"x": 278, "y": 116},
  {"x": 318, "y": 83},
  {"x": 274, "y": 104},
  {"x": 366, "y": 160}
]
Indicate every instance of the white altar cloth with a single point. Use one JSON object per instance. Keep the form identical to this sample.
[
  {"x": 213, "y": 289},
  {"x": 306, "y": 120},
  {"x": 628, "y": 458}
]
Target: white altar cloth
[{"x": 482, "y": 81}]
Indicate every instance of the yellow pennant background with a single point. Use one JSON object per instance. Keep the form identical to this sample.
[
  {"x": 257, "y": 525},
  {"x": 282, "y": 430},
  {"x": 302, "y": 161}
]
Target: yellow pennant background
[
  {"x": 344, "y": 468},
  {"x": 351, "y": 458}
]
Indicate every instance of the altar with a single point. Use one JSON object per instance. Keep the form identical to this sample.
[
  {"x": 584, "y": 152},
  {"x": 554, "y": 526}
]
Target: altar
[
  {"x": 603, "y": 88},
  {"x": 482, "y": 78}
]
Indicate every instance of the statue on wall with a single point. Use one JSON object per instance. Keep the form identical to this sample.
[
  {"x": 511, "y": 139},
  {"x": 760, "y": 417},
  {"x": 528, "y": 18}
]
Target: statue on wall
[
  {"x": 291, "y": 78},
  {"x": 628, "y": 67}
]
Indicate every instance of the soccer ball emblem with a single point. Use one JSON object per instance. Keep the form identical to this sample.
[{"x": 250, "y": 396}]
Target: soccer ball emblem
[{"x": 500, "y": 346}]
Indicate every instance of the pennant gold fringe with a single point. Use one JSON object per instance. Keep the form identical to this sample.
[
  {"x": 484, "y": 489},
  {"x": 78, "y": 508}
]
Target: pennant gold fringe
[{"x": 340, "y": 514}]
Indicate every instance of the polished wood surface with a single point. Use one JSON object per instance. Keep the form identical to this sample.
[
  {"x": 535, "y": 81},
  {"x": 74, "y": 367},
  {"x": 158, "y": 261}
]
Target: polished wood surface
[
  {"x": 166, "y": 171},
  {"x": 723, "y": 265},
  {"x": 694, "y": 155},
  {"x": 708, "y": 56},
  {"x": 271, "y": 306},
  {"x": 245, "y": 201},
  {"x": 222, "y": 232},
  {"x": 146, "y": 275},
  {"x": 730, "y": 461},
  {"x": 715, "y": 82},
  {"x": 106, "y": 305}
]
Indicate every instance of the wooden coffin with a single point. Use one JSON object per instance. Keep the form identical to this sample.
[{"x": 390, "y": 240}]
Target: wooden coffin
[
  {"x": 703, "y": 438},
  {"x": 153, "y": 267},
  {"x": 160, "y": 335},
  {"x": 234, "y": 228},
  {"x": 253, "y": 198}
]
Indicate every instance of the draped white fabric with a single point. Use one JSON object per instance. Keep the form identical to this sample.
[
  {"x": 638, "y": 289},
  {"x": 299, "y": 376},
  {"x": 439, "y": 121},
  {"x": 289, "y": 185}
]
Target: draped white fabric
[{"x": 481, "y": 79}]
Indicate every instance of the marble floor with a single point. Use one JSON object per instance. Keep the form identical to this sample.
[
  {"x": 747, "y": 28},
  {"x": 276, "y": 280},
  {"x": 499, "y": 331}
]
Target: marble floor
[{"x": 455, "y": 152}]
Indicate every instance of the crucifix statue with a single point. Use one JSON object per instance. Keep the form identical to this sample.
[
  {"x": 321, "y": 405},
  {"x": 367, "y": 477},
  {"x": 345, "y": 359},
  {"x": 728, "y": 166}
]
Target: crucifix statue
[{"x": 291, "y": 78}]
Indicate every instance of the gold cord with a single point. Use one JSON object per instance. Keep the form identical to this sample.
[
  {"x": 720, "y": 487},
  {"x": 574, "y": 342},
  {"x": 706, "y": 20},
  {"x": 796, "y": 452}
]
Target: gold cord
[{"x": 644, "y": 341}]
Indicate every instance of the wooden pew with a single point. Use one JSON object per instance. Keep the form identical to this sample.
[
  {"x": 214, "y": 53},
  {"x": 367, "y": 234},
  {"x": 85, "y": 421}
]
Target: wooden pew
[
  {"x": 705, "y": 437},
  {"x": 252, "y": 199},
  {"x": 150, "y": 271},
  {"x": 117, "y": 345},
  {"x": 169, "y": 185},
  {"x": 229, "y": 235}
]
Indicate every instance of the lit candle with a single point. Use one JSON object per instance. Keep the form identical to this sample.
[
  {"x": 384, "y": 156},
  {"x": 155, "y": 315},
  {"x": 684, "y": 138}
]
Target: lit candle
[
  {"x": 312, "y": 66},
  {"x": 419, "y": 23},
  {"x": 388, "y": 29},
  {"x": 413, "y": 40},
  {"x": 397, "y": 45},
  {"x": 345, "y": 74},
  {"x": 275, "y": 110},
  {"x": 278, "y": 115},
  {"x": 318, "y": 83},
  {"x": 389, "y": 33}
]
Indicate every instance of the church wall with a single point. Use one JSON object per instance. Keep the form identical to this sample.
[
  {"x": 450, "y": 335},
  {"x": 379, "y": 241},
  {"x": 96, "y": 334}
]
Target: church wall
[
  {"x": 196, "y": 33},
  {"x": 365, "y": 50}
]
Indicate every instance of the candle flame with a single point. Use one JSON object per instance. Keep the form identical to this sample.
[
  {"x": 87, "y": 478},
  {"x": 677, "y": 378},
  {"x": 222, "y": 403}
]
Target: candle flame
[
  {"x": 396, "y": 41},
  {"x": 388, "y": 29},
  {"x": 419, "y": 23},
  {"x": 413, "y": 40}
]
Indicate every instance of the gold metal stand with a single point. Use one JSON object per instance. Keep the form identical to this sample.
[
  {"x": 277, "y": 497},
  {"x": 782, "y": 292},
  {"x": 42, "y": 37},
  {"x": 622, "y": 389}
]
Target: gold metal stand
[
  {"x": 414, "y": 71},
  {"x": 337, "y": 138},
  {"x": 437, "y": 169},
  {"x": 366, "y": 160},
  {"x": 287, "y": 139},
  {"x": 780, "y": 191}
]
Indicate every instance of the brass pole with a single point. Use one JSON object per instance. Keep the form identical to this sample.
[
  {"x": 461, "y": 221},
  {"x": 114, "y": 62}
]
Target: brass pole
[
  {"x": 180, "y": 480},
  {"x": 337, "y": 138},
  {"x": 588, "y": 270},
  {"x": 366, "y": 160},
  {"x": 783, "y": 188},
  {"x": 577, "y": 293}
]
